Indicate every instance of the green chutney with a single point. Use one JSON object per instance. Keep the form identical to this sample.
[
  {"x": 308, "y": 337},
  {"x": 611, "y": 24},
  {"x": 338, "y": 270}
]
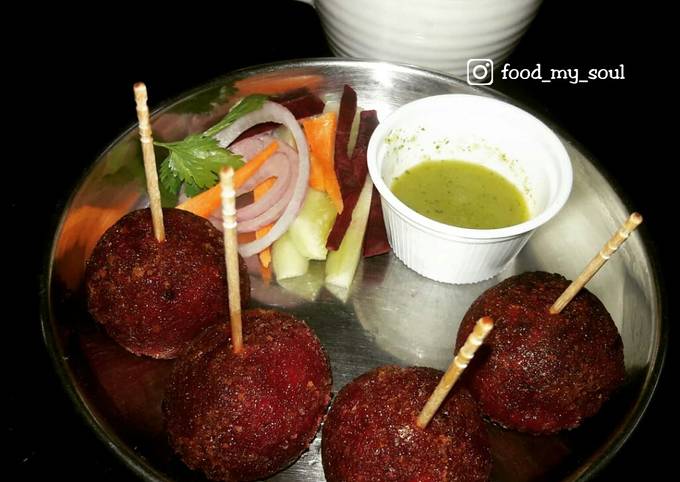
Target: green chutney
[{"x": 461, "y": 194}]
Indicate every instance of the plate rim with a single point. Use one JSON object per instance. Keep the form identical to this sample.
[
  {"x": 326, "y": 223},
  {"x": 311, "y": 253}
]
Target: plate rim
[{"x": 142, "y": 468}]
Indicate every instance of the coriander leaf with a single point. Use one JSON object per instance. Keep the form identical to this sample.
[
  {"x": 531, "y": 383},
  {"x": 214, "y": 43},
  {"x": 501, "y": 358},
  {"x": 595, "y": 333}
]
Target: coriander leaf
[
  {"x": 168, "y": 199},
  {"x": 196, "y": 160},
  {"x": 245, "y": 106},
  {"x": 169, "y": 184},
  {"x": 192, "y": 189}
]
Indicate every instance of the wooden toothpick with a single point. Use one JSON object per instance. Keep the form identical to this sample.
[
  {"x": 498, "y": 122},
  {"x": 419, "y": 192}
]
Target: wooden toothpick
[
  {"x": 149, "y": 161},
  {"x": 459, "y": 363},
  {"x": 231, "y": 256},
  {"x": 597, "y": 262}
]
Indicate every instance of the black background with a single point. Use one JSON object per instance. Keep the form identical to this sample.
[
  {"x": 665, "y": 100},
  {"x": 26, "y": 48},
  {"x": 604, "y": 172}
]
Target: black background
[{"x": 75, "y": 89}]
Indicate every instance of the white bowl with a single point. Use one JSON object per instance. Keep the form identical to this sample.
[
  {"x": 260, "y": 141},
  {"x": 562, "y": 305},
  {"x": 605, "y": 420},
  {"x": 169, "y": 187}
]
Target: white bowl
[
  {"x": 438, "y": 34},
  {"x": 475, "y": 129}
]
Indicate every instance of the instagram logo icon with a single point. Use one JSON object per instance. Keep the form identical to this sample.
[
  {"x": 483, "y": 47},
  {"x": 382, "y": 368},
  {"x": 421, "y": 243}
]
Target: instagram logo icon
[{"x": 480, "y": 71}]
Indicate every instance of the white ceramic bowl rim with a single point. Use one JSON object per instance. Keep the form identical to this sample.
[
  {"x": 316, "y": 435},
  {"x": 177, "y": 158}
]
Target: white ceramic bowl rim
[{"x": 563, "y": 164}]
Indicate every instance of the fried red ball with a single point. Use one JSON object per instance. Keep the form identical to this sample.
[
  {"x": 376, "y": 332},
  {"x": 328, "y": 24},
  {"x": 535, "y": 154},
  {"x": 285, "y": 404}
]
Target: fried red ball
[
  {"x": 154, "y": 298},
  {"x": 246, "y": 416},
  {"x": 370, "y": 433},
  {"x": 538, "y": 372}
]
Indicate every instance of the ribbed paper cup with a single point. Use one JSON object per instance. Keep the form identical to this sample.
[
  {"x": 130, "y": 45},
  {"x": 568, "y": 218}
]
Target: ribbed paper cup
[
  {"x": 439, "y": 34},
  {"x": 479, "y": 130}
]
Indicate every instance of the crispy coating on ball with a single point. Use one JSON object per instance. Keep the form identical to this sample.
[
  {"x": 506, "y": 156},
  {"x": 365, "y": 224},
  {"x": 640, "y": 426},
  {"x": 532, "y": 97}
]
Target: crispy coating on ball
[
  {"x": 370, "y": 433},
  {"x": 246, "y": 416},
  {"x": 154, "y": 298},
  {"x": 538, "y": 372}
]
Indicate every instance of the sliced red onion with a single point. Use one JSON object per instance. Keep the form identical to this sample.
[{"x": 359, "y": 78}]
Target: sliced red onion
[
  {"x": 249, "y": 147},
  {"x": 278, "y": 166},
  {"x": 266, "y": 210},
  {"x": 266, "y": 171},
  {"x": 274, "y": 211},
  {"x": 282, "y": 165},
  {"x": 272, "y": 112}
]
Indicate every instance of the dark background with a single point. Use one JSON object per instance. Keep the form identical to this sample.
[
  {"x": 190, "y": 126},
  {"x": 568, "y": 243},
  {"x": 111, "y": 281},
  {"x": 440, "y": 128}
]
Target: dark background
[{"x": 78, "y": 81}]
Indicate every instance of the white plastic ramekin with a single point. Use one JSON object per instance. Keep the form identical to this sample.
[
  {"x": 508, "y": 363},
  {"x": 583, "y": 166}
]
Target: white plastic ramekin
[{"x": 475, "y": 129}]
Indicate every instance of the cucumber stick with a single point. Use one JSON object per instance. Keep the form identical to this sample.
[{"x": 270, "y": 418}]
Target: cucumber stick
[
  {"x": 287, "y": 260},
  {"x": 309, "y": 231},
  {"x": 342, "y": 264}
]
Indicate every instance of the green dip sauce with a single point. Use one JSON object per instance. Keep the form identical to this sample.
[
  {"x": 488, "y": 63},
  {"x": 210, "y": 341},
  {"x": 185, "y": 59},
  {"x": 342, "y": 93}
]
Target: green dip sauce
[{"x": 461, "y": 194}]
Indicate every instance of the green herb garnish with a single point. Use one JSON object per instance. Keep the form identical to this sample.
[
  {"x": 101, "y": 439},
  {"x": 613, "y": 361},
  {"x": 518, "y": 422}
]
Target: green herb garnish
[
  {"x": 197, "y": 160},
  {"x": 245, "y": 106}
]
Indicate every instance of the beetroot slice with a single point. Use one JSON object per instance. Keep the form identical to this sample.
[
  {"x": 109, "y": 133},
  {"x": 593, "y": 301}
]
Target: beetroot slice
[
  {"x": 342, "y": 221},
  {"x": 368, "y": 121},
  {"x": 344, "y": 167},
  {"x": 375, "y": 240},
  {"x": 302, "y": 104}
]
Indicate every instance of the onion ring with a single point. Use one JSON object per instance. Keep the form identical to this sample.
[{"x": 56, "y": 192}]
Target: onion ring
[{"x": 273, "y": 112}]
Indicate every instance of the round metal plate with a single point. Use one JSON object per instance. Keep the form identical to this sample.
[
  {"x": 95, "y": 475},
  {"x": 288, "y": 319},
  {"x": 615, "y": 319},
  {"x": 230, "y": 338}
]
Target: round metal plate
[{"x": 390, "y": 315}]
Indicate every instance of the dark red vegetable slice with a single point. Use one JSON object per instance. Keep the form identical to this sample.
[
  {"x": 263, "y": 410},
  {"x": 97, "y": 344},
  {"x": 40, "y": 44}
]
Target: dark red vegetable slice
[
  {"x": 342, "y": 221},
  {"x": 368, "y": 121},
  {"x": 294, "y": 95},
  {"x": 302, "y": 104},
  {"x": 344, "y": 167},
  {"x": 375, "y": 240}
]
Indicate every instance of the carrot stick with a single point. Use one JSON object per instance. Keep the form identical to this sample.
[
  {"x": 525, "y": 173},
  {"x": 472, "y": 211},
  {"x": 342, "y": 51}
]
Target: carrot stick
[
  {"x": 208, "y": 201},
  {"x": 266, "y": 254},
  {"x": 316, "y": 180},
  {"x": 320, "y": 134},
  {"x": 244, "y": 238},
  {"x": 316, "y": 131},
  {"x": 266, "y": 273},
  {"x": 275, "y": 83},
  {"x": 332, "y": 186}
]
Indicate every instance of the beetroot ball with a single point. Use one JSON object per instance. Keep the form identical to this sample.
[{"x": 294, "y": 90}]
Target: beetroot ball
[
  {"x": 370, "y": 433},
  {"x": 154, "y": 298},
  {"x": 538, "y": 372},
  {"x": 246, "y": 416}
]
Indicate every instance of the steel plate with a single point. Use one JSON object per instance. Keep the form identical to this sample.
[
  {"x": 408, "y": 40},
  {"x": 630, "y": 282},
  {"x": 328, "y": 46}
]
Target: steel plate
[{"x": 390, "y": 315}]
